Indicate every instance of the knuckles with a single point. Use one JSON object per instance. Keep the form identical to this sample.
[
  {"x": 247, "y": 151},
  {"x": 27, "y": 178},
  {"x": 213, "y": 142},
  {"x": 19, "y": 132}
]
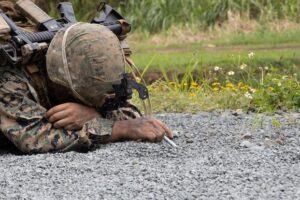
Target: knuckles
[{"x": 153, "y": 137}]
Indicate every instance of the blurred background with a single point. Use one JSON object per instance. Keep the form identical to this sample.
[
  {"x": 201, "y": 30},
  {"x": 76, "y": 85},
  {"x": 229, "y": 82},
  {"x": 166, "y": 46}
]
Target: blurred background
[
  {"x": 157, "y": 15},
  {"x": 191, "y": 25},
  {"x": 225, "y": 49}
]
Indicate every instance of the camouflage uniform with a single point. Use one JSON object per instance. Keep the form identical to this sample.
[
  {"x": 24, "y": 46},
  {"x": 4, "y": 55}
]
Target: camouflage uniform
[
  {"x": 22, "y": 115},
  {"x": 22, "y": 120}
]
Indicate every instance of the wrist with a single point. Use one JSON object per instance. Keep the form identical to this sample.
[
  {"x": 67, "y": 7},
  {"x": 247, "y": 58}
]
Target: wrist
[{"x": 118, "y": 131}]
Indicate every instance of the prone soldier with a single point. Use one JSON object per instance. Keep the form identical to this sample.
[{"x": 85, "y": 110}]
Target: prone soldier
[{"x": 65, "y": 103}]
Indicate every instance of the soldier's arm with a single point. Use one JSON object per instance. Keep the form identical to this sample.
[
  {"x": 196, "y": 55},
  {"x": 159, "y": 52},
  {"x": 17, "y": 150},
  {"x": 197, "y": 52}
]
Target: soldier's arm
[
  {"x": 129, "y": 124},
  {"x": 23, "y": 122}
]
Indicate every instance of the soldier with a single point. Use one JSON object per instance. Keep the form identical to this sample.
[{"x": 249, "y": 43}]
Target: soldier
[{"x": 59, "y": 109}]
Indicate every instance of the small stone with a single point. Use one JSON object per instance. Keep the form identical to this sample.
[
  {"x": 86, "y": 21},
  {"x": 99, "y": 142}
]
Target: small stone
[
  {"x": 135, "y": 162},
  {"x": 189, "y": 135},
  {"x": 269, "y": 143},
  {"x": 238, "y": 112},
  {"x": 246, "y": 144},
  {"x": 176, "y": 134},
  {"x": 189, "y": 141},
  {"x": 257, "y": 148},
  {"x": 279, "y": 141},
  {"x": 246, "y": 136}
]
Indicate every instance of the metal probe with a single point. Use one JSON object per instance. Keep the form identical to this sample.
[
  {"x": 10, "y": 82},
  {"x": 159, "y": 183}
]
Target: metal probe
[{"x": 170, "y": 142}]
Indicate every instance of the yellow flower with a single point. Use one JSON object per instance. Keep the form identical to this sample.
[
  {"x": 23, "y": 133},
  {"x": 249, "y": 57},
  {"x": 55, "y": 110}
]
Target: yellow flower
[
  {"x": 195, "y": 87},
  {"x": 215, "y": 89},
  {"x": 192, "y": 94},
  {"x": 229, "y": 85},
  {"x": 194, "y": 84},
  {"x": 172, "y": 83},
  {"x": 215, "y": 84},
  {"x": 245, "y": 87}
]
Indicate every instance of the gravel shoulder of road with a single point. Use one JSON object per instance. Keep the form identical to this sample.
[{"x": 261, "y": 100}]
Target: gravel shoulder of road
[{"x": 221, "y": 155}]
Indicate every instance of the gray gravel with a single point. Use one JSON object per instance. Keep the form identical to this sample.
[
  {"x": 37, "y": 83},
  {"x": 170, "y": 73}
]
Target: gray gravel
[{"x": 222, "y": 155}]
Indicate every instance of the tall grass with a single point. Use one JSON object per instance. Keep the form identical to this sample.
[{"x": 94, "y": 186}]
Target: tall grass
[{"x": 156, "y": 15}]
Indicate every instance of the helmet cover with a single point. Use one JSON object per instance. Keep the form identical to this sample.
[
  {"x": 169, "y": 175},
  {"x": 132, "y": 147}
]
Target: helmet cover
[{"x": 88, "y": 60}]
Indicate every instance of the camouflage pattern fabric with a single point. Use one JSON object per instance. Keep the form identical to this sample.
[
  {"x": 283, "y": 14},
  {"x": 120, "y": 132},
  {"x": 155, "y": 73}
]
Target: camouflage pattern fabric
[
  {"x": 22, "y": 120},
  {"x": 97, "y": 62},
  {"x": 88, "y": 59}
]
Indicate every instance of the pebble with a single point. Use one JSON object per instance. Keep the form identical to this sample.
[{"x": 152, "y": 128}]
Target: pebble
[
  {"x": 269, "y": 143},
  {"x": 247, "y": 144},
  {"x": 246, "y": 136}
]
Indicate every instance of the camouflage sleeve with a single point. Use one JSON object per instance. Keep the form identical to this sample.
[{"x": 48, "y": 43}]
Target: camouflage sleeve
[{"x": 22, "y": 121}]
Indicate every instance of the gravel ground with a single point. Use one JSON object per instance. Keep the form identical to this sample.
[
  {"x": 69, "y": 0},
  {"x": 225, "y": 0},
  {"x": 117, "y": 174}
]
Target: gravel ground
[{"x": 221, "y": 155}]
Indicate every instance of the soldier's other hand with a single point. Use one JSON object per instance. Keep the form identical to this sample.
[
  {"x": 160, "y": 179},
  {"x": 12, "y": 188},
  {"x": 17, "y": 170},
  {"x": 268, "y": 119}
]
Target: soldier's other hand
[
  {"x": 144, "y": 128},
  {"x": 71, "y": 116}
]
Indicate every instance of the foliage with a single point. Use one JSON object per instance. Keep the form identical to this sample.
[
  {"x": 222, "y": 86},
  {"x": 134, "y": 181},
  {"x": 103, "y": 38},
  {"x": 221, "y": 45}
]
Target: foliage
[
  {"x": 261, "y": 89},
  {"x": 162, "y": 14},
  {"x": 156, "y": 15}
]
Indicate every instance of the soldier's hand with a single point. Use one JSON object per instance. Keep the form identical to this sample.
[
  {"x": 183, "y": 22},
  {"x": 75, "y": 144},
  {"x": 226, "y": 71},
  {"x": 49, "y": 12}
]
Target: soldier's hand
[
  {"x": 71, "y": 116},
  {"x": 144, "y": 128}
]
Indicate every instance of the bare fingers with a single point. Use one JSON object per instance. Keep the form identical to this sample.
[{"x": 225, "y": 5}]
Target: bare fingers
[
  {"x": 56, "y": 109},
  {"x": 167, "y": 131}
]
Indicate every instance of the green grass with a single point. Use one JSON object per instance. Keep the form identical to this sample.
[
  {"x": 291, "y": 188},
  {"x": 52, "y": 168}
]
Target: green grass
[
  {"x": 271, "y": 48},
  {"x": 227, "y": 57},
  {"x": 269, "y": 82},
  {"x": 263, "y": 89}
]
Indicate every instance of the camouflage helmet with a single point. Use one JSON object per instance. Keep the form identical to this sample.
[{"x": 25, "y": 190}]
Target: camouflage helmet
[{"x": 87, "y": 59}]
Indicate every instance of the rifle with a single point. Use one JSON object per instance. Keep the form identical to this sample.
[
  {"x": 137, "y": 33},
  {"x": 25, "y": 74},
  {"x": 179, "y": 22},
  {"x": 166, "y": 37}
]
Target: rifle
[{"x": 27, "y": 48}]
